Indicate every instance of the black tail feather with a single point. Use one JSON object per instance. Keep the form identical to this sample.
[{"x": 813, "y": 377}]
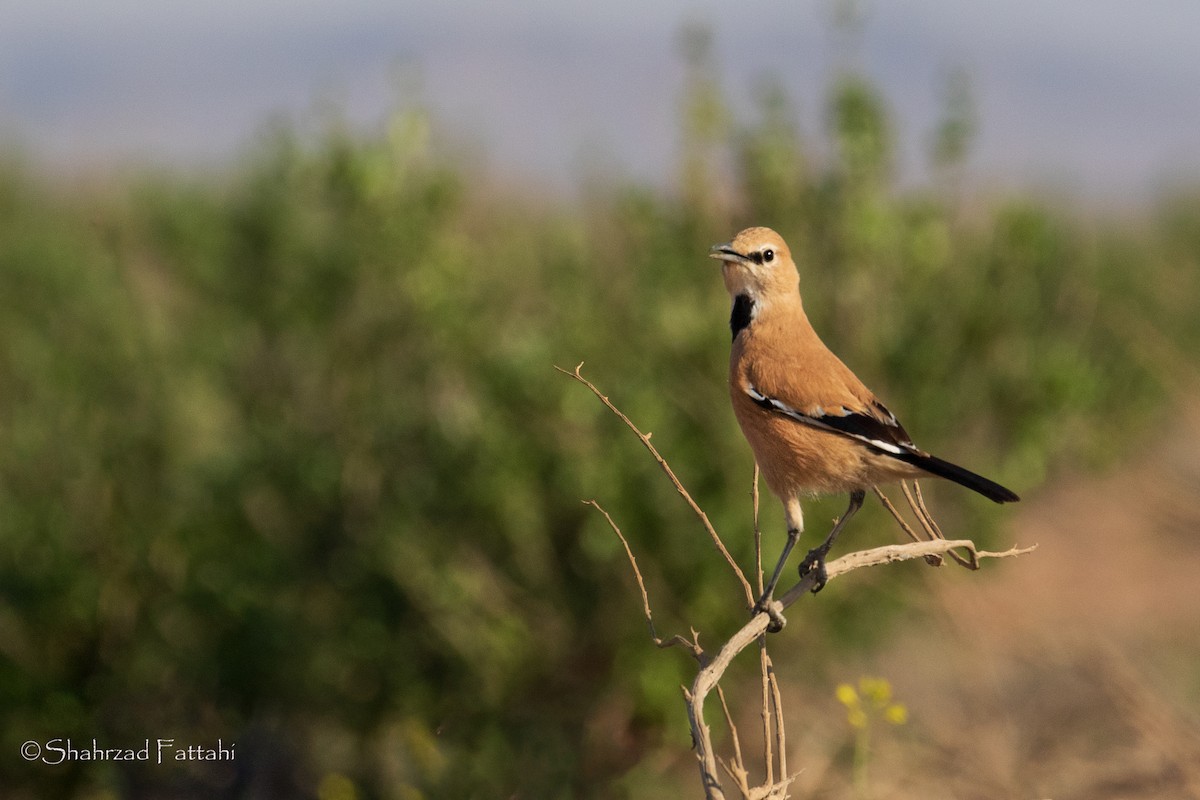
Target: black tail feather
[{"x": 964, "y": 477}]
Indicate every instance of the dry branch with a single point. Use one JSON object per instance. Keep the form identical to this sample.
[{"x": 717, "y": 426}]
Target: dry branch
[
  {"x": 693, "y": 646},
  {"x": 644, "y": 438}
]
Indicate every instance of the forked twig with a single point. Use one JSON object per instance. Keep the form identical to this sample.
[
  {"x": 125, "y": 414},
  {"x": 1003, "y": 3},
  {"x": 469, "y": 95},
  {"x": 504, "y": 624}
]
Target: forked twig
[
  {"x": 932, "y": 560},
  {"x": 693, "y": 646},
  {"x": 917, "y": 503},
  {"x": 644, "y": 438}
]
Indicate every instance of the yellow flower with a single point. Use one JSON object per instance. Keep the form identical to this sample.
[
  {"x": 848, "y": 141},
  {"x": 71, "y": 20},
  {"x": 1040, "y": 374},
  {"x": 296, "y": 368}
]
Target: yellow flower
[
  {"x": 896, "y": 714},
  {"x": 877, "y": 691},
  {"x": 872, "y": 697}
]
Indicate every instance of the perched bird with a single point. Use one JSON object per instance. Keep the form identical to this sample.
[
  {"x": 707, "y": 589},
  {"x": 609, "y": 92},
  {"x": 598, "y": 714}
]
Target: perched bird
[{"x": 812, "y": 424}]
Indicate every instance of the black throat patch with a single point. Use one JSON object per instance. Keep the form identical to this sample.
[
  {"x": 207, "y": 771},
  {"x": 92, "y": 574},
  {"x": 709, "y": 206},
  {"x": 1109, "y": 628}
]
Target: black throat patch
[{"x": 743, "y": 312}]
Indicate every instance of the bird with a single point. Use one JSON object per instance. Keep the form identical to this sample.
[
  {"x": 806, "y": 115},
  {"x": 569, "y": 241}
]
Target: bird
[{"x": 813, "y": 426}]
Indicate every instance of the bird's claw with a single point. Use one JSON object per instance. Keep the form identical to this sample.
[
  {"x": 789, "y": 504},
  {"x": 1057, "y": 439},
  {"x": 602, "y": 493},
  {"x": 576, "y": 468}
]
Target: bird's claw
[
  {"x": 773, "y": 609},
  {"x": 815, "y": 562}
]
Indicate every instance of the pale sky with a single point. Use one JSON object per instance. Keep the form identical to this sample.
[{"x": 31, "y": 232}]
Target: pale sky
[{"x": 1099, "y": 96}]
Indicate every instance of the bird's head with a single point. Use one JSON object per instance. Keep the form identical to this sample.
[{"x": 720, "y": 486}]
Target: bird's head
[{"x": 757, "y": 263}]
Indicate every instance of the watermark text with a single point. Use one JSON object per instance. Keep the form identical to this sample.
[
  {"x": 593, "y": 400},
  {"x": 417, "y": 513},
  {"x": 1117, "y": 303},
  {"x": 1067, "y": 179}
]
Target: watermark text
[{"x": 156, "y": 751}]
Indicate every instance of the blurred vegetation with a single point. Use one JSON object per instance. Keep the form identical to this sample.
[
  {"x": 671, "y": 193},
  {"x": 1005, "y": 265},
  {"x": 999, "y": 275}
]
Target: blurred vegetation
[{"x": 284, "y": 461}]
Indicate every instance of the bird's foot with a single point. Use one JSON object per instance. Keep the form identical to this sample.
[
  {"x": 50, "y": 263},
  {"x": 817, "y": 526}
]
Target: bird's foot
[
  {"x": 773, "y": 609},
  {"x": 814, "y": 562}
]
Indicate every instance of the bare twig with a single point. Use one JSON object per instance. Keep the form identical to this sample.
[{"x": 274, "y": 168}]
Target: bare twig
[
  {"x": 932, "y": 560},
  {"x": 887, "y": 503},
  {"x": 777, "y": 702},
  {"x": 736, "y": 770},
  {"x": 764, "y": 660},
  {"x": 937, "y": 530},
  {"x": 693, "y": 646},
  {"x": 702, "y": 741},
  {"x": 764, "y": 663},
  {"x": 926, "y": 523},
  {"x": 644, "y": 438},
  {"x": 917, "y": 503},
  {"x": 758, "y": 570}
]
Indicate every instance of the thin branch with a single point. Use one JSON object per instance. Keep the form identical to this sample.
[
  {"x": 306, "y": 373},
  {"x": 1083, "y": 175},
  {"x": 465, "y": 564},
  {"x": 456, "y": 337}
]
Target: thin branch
[
  {"x": 777, "y": 701},
  {"x": 933, "y": 522},
  {"x": 925, "y": 511},
  {"x": 892, "y": 553},
  {"x": 644, "y": 438},
  {"x": 764, "y": 662},
  {"x": 737, "y": 770},
  {"x": 740, "y": 780},
  {"x": 887, "y": 503},
  {"x": 758, "y": 570},
  {"x": 926, "y": 523},
  {"x": 917, "y": 503},
  {"x": 702, "y": 741},
  {"x": 933, "y": 561},
  {"x": 693, "y": 646}
]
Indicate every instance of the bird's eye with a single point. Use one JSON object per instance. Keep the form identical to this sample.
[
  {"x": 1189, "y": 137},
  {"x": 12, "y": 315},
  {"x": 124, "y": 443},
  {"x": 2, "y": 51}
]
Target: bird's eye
[{"x": 768, "y": 256}]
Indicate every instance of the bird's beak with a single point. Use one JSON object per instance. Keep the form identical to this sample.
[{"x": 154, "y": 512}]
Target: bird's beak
[{"x": 724, "y": 252}]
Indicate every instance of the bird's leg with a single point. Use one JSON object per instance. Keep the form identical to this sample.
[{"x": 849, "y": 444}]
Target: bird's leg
[
  {"x": 815, "y": 560},
  {"x": 795, "y": 526},
  {"x": 764, "y": 603}
]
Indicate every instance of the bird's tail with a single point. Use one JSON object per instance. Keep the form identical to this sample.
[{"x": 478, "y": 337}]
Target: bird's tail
[{"x": 964, "y": 477}]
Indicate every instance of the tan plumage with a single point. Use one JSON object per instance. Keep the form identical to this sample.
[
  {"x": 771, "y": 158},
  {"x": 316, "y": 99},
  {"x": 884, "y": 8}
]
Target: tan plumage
[{"x": 814, "y": 427}]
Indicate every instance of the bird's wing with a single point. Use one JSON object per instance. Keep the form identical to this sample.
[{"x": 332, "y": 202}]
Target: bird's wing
[
  {"x": 879, "y": 430},
  {"x": 870, "y": 423}
]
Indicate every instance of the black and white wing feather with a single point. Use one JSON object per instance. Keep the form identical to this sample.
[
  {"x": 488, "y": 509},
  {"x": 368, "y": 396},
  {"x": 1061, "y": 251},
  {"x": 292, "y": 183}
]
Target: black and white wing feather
[{"x": 883, "y": 434}]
